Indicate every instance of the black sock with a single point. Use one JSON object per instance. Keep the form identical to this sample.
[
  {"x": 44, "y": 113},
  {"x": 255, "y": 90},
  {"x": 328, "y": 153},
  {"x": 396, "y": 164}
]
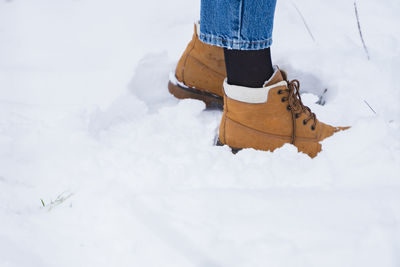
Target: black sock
[{"x": 250, "y": 68}]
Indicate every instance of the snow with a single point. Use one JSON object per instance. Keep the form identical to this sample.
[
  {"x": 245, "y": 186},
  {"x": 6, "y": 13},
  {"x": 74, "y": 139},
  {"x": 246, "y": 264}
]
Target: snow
[{"x": 130, "y": 176}]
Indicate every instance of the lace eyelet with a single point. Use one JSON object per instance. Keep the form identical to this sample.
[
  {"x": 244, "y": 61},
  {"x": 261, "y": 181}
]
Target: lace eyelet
[
  {"x": 312, "y": 127},
  {"x": 297, "y": 115},
  {"x": 283, "y": 99},
  {"x": 289, "y": 108},
  {"x": 279, "y": 92},
  {"x": 304, "y": 122}
]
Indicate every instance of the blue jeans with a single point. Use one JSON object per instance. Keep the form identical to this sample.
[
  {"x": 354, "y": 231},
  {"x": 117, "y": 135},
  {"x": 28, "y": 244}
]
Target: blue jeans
[{"x": 237, "y": 24}]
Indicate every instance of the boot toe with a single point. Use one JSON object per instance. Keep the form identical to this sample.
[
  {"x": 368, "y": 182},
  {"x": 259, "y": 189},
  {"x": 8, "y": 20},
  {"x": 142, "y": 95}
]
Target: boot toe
[{"x": 328, "y": 130}]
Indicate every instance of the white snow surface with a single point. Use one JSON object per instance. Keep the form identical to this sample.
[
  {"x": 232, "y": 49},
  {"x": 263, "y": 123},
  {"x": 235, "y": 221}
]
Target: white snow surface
[{"x": 129, "y": 176}]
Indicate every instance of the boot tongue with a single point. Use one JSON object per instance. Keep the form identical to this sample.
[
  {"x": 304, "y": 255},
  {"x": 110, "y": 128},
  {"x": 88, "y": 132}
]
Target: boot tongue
[{"x": 275, "y": 78}]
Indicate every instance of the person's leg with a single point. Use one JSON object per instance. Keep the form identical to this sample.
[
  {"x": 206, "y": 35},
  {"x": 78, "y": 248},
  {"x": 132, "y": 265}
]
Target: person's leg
[
  {"x": 260, "y": 111},
  {"x": 244, "y": 29}
]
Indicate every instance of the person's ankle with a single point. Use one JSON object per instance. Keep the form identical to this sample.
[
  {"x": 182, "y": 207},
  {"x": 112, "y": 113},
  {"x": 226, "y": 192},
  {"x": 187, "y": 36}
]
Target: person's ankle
[{"x": 250, "y": 68}]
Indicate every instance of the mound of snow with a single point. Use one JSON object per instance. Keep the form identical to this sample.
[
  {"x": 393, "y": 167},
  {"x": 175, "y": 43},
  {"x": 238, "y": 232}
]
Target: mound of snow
[{"x": 101, "y": 166}]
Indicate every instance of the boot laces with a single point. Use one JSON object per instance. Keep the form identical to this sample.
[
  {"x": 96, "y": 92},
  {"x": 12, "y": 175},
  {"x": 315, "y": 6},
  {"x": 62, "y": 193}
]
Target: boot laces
[{"x": 296, "y": 107}]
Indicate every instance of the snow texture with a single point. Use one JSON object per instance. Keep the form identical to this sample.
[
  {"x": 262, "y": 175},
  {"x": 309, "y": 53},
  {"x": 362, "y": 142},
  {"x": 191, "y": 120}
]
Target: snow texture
[{"x": 101, "y": 166}]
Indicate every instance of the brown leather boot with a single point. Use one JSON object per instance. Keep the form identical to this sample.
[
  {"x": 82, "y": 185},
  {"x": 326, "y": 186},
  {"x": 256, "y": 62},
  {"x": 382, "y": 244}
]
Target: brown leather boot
[
  {"x": 266, "y": 118},
  {"x": 200, "y": 73}
]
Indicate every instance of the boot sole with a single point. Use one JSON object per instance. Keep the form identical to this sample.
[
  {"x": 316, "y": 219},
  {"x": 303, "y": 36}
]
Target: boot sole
[
  {"x": 233, "y": 149},
  {"x": 211, "y": 100}
]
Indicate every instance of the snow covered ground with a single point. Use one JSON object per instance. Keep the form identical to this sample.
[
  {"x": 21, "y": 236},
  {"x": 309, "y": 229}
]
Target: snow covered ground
[{"x": 100, "y": 166}]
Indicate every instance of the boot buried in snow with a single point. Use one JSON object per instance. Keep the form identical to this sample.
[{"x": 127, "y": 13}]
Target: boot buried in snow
[
  {"x": 200, "y": 73},
  {"x": 266, "y": 118}
]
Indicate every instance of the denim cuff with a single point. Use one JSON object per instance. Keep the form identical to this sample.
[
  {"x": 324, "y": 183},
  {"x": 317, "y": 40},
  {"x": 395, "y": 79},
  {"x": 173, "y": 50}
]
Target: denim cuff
[{"x": 234, "y": 43}]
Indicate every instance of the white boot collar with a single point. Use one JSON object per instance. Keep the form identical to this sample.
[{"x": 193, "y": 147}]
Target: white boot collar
[{"x": 251, "y": 95}]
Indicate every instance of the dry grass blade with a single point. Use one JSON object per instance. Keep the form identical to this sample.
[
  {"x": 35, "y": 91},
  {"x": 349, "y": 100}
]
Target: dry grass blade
[
  {"x": 359, "y": 30},
  {"x": 304, "y": 21},
  {"x": 369, "y": 106}
]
